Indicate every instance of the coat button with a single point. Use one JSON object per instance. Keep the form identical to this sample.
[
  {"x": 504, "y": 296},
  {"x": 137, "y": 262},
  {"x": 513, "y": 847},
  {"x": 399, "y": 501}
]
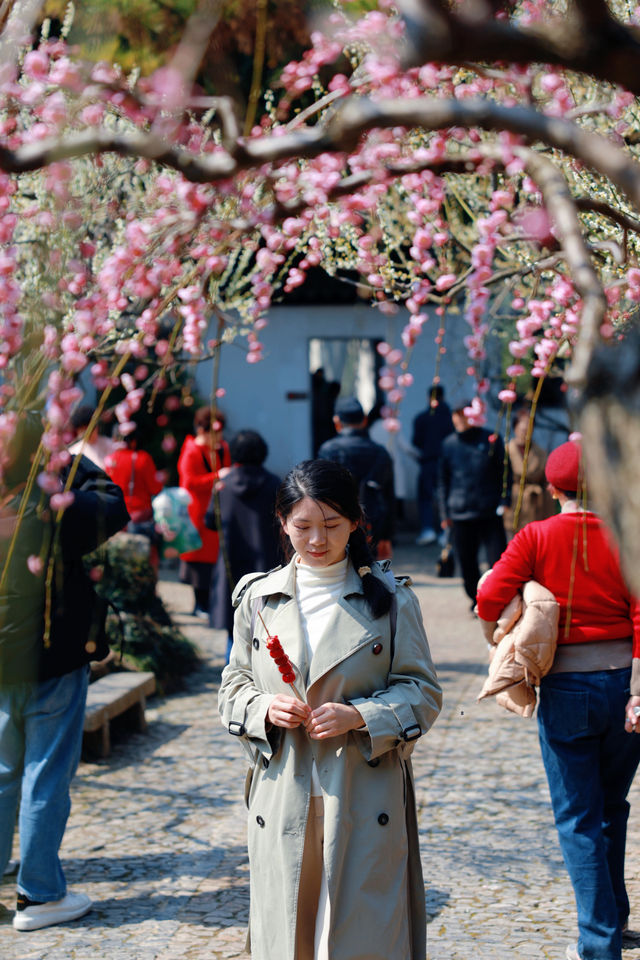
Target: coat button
[
  {"x": 260, "y": 821},
  {"x": 383, "y": 819},
  {"x": 256, "y": 642},
  {"x": 374, "y": 762},
  {"x": 376, "y": 649}
]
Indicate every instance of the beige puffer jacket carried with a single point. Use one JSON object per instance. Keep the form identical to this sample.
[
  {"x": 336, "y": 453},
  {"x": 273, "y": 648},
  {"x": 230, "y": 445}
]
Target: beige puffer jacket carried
[{"x": 522, "y": 645}]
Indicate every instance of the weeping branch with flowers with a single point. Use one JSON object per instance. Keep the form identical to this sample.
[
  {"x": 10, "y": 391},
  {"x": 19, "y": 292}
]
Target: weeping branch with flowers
[{"x": 442, "y": 153}]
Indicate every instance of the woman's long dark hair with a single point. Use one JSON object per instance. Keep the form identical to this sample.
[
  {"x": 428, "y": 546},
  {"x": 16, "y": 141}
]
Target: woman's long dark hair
[{"x": 333, "y": 484}]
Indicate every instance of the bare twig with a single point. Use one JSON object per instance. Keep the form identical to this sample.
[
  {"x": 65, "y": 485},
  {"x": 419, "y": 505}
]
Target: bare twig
[{"x": 259, "y": 50}]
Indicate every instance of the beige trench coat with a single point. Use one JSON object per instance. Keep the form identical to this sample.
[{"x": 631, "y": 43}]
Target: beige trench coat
[
  {"x": 536, "y": 499},
  {"x": 371, "y": 853}
]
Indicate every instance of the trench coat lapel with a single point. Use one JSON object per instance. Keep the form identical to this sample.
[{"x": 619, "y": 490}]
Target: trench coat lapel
[
  {"x": 348, "y": 630},
  {"x": 283, "y": 619}
]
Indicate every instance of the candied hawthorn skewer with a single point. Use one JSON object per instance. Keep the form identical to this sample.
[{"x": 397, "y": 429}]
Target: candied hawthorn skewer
[{"x": 281, "y": 659}]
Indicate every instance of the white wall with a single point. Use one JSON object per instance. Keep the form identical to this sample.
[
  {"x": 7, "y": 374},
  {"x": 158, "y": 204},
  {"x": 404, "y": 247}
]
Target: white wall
[{"x": 256, "y": 394}]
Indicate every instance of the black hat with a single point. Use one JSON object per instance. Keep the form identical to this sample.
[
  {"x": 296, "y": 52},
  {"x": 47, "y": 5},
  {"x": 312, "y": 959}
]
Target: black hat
[
  {"x": 460, "y": 403},
  {"x": 348, "y": 410}
]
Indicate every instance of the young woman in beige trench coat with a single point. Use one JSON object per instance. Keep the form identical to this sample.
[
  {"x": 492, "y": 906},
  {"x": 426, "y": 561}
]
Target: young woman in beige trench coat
[{"x": 333, "y": 840}]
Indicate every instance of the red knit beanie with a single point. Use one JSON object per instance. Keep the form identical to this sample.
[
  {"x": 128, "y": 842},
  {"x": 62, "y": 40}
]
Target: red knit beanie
[{"x": 563, "y": 467}]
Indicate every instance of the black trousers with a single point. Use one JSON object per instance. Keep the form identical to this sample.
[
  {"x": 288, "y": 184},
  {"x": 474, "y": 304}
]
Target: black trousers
[{"x": 469, "y": 537}]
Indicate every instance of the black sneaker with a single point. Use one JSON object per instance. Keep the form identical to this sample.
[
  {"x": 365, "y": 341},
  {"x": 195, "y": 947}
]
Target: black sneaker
[{"x": 22, "y": 902}]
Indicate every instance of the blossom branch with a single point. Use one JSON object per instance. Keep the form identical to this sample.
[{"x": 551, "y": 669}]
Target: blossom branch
[
  {"x": 598, "y": 45},
  {"x": 558, "y": 199},
  {"x": 340, "y": 133}
]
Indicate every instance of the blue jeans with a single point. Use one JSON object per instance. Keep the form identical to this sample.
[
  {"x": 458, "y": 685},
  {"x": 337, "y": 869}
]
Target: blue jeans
[
  {"x": 40, "y": 742},
  {"x": 590, "y": 763}
]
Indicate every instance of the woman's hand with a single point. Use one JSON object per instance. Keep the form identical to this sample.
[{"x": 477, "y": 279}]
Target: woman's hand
[
  {"x": 333, "y": 719},
  {"x": 288, "y": 712},
  {"x": 631, "y": 719}
]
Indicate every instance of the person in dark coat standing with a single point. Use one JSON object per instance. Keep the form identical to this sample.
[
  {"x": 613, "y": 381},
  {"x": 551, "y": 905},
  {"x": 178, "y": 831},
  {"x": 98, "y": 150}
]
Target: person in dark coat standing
[
  {"x": 48, "y": 635},
  {"x": 473, "y": 491},
  {"x": 372, "y": 468},
  {"x": 250, "y": 532},
  {"x": 429, "y": 430}
]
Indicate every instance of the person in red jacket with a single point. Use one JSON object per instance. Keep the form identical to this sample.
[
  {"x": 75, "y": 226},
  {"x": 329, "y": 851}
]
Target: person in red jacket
[
  {"x": 588, "y": 700},
  {"x": 201, "y": 458},
  {"x": 135, "y": 473}
]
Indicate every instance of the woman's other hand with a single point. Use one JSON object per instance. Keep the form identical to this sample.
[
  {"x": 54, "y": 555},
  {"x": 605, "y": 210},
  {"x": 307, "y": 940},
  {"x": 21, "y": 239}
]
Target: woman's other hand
[
  {"x": 332, "y": 720},
  {"x": 632, "y": 715},
  {"x": 288, "y": 712}
]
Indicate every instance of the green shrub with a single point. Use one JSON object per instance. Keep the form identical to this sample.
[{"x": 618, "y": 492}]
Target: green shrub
[{"x": 138, "y": 624}]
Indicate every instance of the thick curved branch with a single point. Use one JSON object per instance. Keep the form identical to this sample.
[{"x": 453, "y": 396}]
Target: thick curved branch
[
  {"x": 357, "y": 116},
  {"x": 597, "y": 44},
  {"x": 341, "y": 134},
  {"x": 592, "y": 205},
  {"x": 17, "y": 18},
  {"x": 559, "y": 202}
]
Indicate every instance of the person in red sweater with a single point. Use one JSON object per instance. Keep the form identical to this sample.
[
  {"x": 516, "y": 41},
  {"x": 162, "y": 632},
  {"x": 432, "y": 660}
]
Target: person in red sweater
[
  {"x": 588, "y": 700},
  {"x": 201, "y": 458}
]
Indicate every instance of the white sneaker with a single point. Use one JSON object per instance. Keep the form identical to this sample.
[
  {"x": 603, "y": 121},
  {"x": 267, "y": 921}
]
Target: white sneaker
[
  {"x": 38, "y": 915},
  {"x": 572, "y": 952},
  {"x": 426, "y": 537}
]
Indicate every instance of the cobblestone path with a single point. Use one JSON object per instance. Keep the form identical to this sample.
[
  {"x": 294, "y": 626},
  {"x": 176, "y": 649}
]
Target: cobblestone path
[{"x": 157, "y": 830}]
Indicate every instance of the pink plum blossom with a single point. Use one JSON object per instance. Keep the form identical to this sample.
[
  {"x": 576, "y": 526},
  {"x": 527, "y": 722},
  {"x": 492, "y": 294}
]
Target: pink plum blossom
[
  {"x": 62, "y": 501},
  {"x": 36, "y": 64},
  {"x": 35, "y": 565}
]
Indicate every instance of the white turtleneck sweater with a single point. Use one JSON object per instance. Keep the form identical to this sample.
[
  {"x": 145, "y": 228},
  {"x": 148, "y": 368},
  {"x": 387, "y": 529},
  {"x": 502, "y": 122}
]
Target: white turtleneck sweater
[{"x": 317, "y": 591}]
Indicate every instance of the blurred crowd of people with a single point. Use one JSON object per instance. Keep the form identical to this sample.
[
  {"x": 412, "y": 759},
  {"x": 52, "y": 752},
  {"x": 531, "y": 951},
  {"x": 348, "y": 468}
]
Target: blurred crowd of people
[
  {"x": 471, "y": 494},
  {"x": 309, "y": 556}
]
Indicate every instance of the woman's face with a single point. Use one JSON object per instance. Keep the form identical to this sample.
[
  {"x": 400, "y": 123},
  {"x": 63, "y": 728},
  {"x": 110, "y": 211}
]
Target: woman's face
[
  {"x": 318, "y": 533},
  {"x": 520, "y": 429}
]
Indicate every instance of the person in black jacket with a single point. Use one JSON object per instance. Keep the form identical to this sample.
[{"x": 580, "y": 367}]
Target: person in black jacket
[
  {"x": 50, "y": 628},
  {"x": 250, "y": 533},
  {"x": 473, "y": 491},
  {"x": 372, "y": 468},
  {"x": 429, "y": 430}
]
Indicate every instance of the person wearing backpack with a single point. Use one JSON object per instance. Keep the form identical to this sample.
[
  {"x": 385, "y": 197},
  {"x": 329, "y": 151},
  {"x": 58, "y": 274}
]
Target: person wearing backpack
[{"x": 372, "y": 469}]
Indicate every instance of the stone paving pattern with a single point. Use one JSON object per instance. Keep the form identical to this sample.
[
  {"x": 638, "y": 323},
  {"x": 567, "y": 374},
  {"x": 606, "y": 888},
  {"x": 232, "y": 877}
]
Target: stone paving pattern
[{"x": 157, "y": 831}]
